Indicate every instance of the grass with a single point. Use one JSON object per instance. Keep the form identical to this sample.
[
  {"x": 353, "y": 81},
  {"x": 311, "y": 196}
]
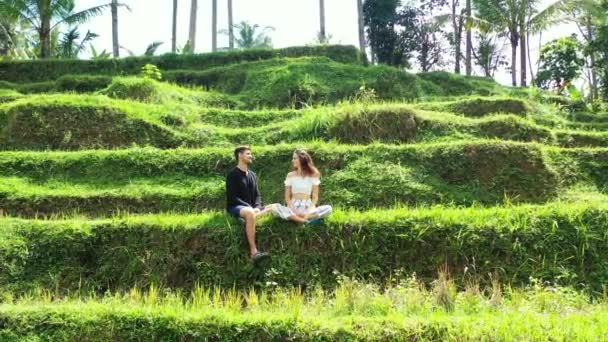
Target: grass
[
  {"x": 175, "y": 119},
  {"x": 464, "y": 210},
  {"x": 377, "y": 175},
  {"x": 354, "y": 311},
  {"x": 562, "y": 242}
]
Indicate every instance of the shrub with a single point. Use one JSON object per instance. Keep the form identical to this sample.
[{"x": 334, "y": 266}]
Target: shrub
[
  {"x": 181, "y": 251},
  {"x": 480, "y": 107},
  {"x": 49, "y": 69},
  {"x": 82, "y": 83},
  {"x": 46, "y": 125}
]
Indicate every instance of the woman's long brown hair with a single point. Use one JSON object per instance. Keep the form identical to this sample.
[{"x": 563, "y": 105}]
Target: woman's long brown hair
[{"x": 306, "y": 164}]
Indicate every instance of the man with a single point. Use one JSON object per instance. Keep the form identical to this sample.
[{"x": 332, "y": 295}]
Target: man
[{"x": 244, "y": 199}]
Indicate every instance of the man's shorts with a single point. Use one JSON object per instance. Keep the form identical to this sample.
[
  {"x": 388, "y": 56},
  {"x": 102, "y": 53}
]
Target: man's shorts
[{"x": 236, "y": 210}]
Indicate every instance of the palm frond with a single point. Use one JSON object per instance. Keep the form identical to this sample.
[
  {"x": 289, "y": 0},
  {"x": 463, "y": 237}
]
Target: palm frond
[
  {"x": 88, "y": 37},
  {"x": 552, "y": 15},
  {"x": 151, "y": 49},
  {"x": 19, "y": 9},
  {"x": 84, "y": 15},
  {"x": 130, "y": 52}
]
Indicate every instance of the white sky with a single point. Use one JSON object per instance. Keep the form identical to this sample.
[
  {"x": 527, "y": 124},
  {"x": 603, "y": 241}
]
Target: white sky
[{"x": 296, "y": 22}]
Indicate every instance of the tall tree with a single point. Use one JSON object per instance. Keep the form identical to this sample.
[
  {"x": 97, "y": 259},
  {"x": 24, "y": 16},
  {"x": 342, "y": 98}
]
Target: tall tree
[
  {"x": 361, "y": 25},
  {"x": 488, "y": 52},
  {"x": 600, "y": 45},
  {"x": 533, "y": 21},
  {"x": 505, "y": 16},
  {"x": 16, "y": 39},
  {"x": 588, "y": 16},
  {"x": 214, "y": 25},
  {"x": 381, "y": 18},
  {"x": 192, "y": 32},
  {"x": 322, "y": 33},
  {"x": 250, "y": 36},
  {"x": 45, "y": 15},
  {"x": 457, "y": 26},
  {"x": 230, "y": 26},
  {"x": 469, "y": 41},
  {"x": 115, "y": 44},
  {"x": 561, "y": 63},
  {"x": 174, "y": 28},
  {"x": 69, "y": 47}
]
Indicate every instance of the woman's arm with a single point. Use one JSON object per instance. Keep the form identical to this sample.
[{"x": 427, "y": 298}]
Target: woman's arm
[
  {"x": 315, "y": 195},
  {"x": 288, "y": 196}
]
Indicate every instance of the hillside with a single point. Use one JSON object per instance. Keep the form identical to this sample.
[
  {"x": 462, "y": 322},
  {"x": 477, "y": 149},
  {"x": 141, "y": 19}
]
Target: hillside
[{"x": 112, "y": 194}]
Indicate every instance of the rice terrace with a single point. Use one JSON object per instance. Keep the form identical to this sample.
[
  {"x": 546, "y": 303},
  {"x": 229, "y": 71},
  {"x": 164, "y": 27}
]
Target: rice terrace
[{"x": 437, "y": 171}]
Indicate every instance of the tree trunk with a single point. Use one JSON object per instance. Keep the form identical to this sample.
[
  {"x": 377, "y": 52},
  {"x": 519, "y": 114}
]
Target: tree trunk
[
  {"x": 361, "y": 26},
  {"x": 45, "y": 37},
  {"x": 214, "y": 25},
  {"x": 457, "y": 35},
  {"x": 174, "y": 28},
  {"x": 230, "y": 26},
  {"x": 514, "y": 60},
  {"x": 322, "y": 35},
  {"x": 469, "y": 42},
  {"x": 114, "y": 9},
  {"x": 593, "y": 86},
  {"x": 529, "y": 57},
  {"x": 192, "y": 32},
  {"x": 522, "y": 53}
]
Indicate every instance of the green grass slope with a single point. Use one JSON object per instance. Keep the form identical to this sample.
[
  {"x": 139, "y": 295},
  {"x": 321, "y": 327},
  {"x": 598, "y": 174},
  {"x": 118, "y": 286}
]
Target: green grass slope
[
  {"x": 185, "y": 180},
  {"x": 564, "y": 243}
]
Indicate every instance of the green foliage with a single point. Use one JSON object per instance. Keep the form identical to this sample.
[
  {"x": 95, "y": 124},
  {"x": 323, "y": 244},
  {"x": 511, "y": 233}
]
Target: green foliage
[
  {"x": 151, "y": 71},
  {"x": 149, "y": 90},
  {"x": 380, "y": 18},
  {"x": 248, "y": 37},
  {"x": 46, "y": 123},
  {"x": 39, "y": 70},
  {"x": 480, "y": 107},
  {"x": 82, "y": 83},
  {"x": 139, "y": 180},
  {"x": 45, "y": 15},
  {"x": 561, "y": 62},
  {"x": 295, "y": 82},
  {"x": 69, "y": 47},
  {"x": 355, "y": 311},
  {"x": 545, "y": 242}
]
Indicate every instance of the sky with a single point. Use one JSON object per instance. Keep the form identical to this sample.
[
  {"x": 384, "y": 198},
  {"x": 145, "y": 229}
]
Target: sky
[{"x": 295, "y": 23}]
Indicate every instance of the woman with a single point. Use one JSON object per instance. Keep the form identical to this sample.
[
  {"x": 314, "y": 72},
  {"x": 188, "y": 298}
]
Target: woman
[{"x": 302, "y": 192}]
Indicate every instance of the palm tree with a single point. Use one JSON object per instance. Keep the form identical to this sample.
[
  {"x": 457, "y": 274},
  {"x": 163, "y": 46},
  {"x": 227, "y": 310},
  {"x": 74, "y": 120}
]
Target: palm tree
[
  {"x": 322, "y": 34},
  {"x": 469, "y": 42},
  {"x": 115, "y": 28},
  {"x": 45, "y": 15},
  {"x": 504, "y": 16},
  {"x": 174, "y": 28},
  {"x": 588, "y": 16},
  {"x": 534, "y": 21},
  {"x": 230, "y": 26},
  {"x": 192, "y": 33},
  {"x": 16, "y": 39},
  {"x": 69, "y": 47},
  {"x": 214, "y": 25},
  {"x": 249, "y": 37},
  {"x": 361, "y": 25},
  {"x": 519, "y": 18}
]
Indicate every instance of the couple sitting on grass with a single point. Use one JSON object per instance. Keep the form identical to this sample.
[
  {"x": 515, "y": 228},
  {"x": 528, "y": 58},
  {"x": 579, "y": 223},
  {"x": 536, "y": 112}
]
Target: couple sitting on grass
[{"x": 301, "y": 195}]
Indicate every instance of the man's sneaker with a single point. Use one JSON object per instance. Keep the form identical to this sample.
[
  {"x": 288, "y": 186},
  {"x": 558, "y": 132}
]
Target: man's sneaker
[{"x": 260, "y": 257}]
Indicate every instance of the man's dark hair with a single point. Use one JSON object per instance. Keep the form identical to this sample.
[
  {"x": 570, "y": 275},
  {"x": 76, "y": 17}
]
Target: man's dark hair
[{"x": 240, "y": 150}]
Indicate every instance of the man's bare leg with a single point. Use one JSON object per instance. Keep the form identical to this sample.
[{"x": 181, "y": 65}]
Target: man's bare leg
[{"x": 250, "y": 217}]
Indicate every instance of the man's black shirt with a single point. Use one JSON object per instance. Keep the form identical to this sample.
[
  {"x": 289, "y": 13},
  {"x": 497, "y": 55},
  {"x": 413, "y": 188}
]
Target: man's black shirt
[{"x": 242, "y": 189}]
